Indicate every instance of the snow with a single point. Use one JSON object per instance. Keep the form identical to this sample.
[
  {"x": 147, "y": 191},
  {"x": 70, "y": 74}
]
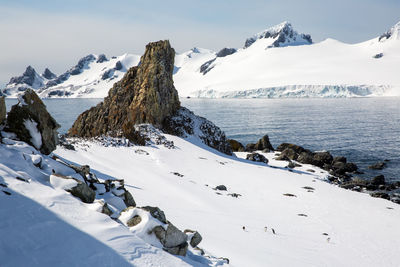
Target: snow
[
  {"x": 362, "y": 230},
  {"x": 36, "y": 137},
  {"x": 44, "y": 225}
]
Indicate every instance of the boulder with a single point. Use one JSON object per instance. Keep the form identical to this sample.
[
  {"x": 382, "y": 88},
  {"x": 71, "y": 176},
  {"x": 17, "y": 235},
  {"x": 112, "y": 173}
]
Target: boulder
[
  {"x": 339, "y": 159},
  {"x": 235, "y": 145},
  {"x": 172, "y": 239},
  {"x": 106, "y": 210},
  {"x": 135, "y": 220},
  {"x": 256, "y": 157},
  {"x": 2, "y": 109},
  {"x": 194, "y": 237},
  {"x": 221, "y": 187},
  {"x": 288, "y": 153},
  {"x": 321, "y": 158},
  {"x": 306, "y": 158},
  {"x": 83, "y": 192},
  {"x": 250, "y": 147},
  {"x": 378, "y": 180},
  {"x": 264, "y": 143},
  {"x": 296, "y": 148},
  {"x": 156, "y": 213},
  {"x": 377, "y": 166},
  {"x": 31, "y": 123},
  {"x": 128, "y": 199}
]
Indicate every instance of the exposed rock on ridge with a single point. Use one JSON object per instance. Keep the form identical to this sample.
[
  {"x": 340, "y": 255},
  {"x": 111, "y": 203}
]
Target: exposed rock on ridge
[{"x": 146, "y": 94}]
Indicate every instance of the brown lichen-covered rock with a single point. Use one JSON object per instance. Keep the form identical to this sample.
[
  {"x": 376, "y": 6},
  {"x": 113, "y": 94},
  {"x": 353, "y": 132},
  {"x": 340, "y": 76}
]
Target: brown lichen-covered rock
[
  {"x": 146, "y": 94},
  {"x": 2, "y": 109},
  {"x": 236, "y": 145},
  {"x": 31, "y": 111}
]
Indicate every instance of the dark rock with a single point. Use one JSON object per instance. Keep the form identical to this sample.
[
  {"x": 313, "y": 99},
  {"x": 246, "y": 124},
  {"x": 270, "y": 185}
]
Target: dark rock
[
  {"x": 250, "y": 147},
  {"x": 128, "y": 199},
  {"x": 156, "y": 213},
  {"x": 221, "y": 187},
  {"x": 235, "y": 145},
  {"x": 264, "y": 143},
  {"x": 379, "y": 55},
  {"x": 339, "y": 159},
  {"x": 82, "y": 64},
  {"x": 256, "y": 157},
  {"x": 377, "y": 166},
  {"x": 48, "y": 74},
  {"x": 371, "y": 187},
  {"x": 172, "y": 239},
  {"x": 306, "y": 158},
  {"x": 321, "y": 158},
  {"x": 291, "y": 165},
  {"x": 135, "y": 220},
  {"x": 296, "y": 148},
  {"x": 378, "y": 180},
  {"x": 185, "y": 123},
  {"x": 226, "y": 52},
  {"x": 118, "y": 65},
  {"x": 380, "y": 195},
  {"x": 102, "y": 58},
  {"x": 32, "y": 109},
  {"x": 2, "y": 109},
  {"x": 290, "y": 153},
  {"x": 206, "y": 67},
  {"x": 341, "y": 168},
  {"x": 83, "y": 192},
  {"x": 106, "y": 210},
  {"x": 195, "y": 239}
]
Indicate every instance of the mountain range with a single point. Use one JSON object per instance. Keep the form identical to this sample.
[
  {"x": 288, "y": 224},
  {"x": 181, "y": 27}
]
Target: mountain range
[{"x": 277, "y": 62}]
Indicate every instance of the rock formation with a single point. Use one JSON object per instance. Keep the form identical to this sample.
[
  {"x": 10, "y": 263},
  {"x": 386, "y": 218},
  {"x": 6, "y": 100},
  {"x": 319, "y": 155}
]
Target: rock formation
[
  {"x": 31, "y": 123},
  {"x": 146, "y": 94}
]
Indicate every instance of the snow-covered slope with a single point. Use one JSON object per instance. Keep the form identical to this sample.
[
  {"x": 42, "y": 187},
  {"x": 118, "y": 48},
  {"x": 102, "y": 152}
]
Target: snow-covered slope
[
  {"x": 323, "y": 226},
  {"x": 277, "y": 62}
]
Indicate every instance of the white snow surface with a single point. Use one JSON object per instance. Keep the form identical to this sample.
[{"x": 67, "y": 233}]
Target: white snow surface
[
  {"x": 362, "y": 230},
  {"x": 36, "y": 137},
  {"x": 43, "y": 225}
]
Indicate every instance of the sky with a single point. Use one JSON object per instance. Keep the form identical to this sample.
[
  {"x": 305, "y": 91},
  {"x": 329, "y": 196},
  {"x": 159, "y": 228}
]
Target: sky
[{"x": 56, "y": 33}]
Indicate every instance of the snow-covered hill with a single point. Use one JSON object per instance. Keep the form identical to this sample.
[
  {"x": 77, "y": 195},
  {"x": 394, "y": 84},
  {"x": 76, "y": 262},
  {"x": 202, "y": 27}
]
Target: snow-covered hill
[
  {"x": 315, "y": 223},
  {"x": 277, "y": 62}
]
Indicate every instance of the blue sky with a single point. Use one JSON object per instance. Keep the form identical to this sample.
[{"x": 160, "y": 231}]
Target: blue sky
[{"x": 57, "y": 33}]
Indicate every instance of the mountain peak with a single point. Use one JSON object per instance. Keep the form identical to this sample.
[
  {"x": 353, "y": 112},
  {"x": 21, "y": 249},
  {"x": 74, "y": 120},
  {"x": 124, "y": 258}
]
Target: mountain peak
[
  {"x": 28, "y": 77},
  {"x": 283, "y": 34},
  {"x": 393, "y": 33},
  {"x": 48, "y": 74}
]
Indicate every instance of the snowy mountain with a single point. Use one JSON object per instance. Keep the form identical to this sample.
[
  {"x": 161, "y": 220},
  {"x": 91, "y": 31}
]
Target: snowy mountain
[
  {"x": 29, "y": 79},
  {"x": 277, "y": 62},
  {"x": 267, "y": 68}
]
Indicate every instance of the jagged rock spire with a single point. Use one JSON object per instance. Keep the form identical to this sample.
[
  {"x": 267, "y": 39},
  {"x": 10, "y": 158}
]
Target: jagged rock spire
[{"x": 146, "y": 94}]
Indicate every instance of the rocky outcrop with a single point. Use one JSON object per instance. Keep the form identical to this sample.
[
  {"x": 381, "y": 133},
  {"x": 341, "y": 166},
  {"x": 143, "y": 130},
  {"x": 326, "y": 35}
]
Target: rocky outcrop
[
  {"x": 185, "y": 123},
  {"x": 31, "y": 123},
  {"x": 146, "y": 95},
  {"x": 236, "y": 145},
  {"x": 263, "y": 145},
  {"x": 83, "y": 192},
  {"x": 2, "y": 109},
  {"x": 377, "y": 166},
  {"x": 48, "y": 74},
  {"x": 194, "y": 237}
]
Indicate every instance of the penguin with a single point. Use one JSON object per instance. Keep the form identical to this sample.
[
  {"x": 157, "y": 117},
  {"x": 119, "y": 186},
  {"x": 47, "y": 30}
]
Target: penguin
[{"x": 273, "y": 231}]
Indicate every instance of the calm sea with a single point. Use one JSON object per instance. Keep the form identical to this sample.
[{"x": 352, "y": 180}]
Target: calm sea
[{"x": 365, "y": 130}]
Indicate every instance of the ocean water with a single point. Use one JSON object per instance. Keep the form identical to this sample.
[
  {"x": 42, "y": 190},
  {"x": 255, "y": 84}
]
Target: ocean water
[{"x": 365, "y": 130}]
